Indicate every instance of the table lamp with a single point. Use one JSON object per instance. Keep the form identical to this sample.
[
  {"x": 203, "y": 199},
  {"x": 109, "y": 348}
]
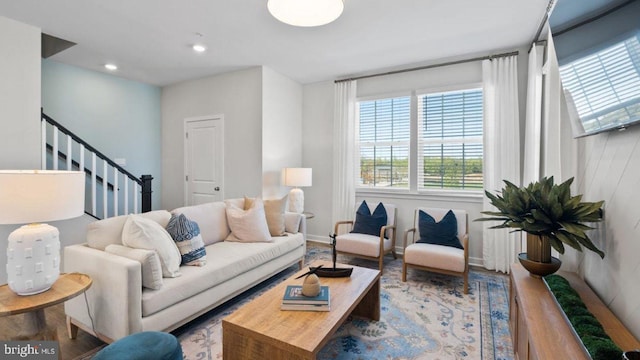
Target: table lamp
[
  {"x": 31, "y": 197},
  {"x": 297, "y": 177}
]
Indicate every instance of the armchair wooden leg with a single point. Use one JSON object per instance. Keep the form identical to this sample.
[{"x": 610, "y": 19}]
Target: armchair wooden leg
[
  {"x": 404, "y": 271},
  {"x": 381, "y": 263},
  {"x": 466, "y": 283},
  {"x": 393, "y": 252},
  {"x": 301, "y": 263}
]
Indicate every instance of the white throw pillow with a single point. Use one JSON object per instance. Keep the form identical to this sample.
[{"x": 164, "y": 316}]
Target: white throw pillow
[
  {"x": 248, "y": 225},
  {"x": 148, "y": 259},
  {"x": 274, "y": 212},
  {"x": 141, "y": 233}
]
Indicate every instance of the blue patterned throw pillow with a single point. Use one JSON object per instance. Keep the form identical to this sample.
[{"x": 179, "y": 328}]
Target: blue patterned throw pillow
[
  {"x": 368, "y": 223},
  {"x": 444, "y": 232},
  {"x": 186, "y": 234}
]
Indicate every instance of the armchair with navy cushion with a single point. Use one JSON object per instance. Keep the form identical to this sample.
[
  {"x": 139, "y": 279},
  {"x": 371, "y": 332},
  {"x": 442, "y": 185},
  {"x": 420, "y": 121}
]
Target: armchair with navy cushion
[
  {"x": 438, "y": 242},
  {"x": 371, "y": 236}
]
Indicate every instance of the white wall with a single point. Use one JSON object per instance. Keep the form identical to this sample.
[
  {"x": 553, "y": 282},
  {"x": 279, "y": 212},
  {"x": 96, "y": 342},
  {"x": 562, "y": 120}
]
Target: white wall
[
  {"x": 19, "y": 95},
  {"x": 281, "y": 130},
  {"x": 19, "y": 106},
  {"x": 608, "y": 168},
  {"x": 119, "y": 117},
  {"x": 237, "y": 96},
  {"x": 317, "y": 151}
]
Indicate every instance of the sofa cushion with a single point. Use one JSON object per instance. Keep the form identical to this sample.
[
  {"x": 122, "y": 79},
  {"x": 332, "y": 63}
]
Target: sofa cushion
[
  {"x": 109, "y": 231},
  {"x": 368, "y": 223},
  {"x": 274, "y": 212},
  {"x": 186, "y": 234},
  {"x": 231, "y": 260},
  {"x": 141, "y": 233},
  {"x": 443, "y": 232},
  {"x": 292, "y": 222},
  {"x": 435, "y": 256},
  {"x": 248, "y": 225},
  {"x": 211, "y": 218},
  {"x": 148, "y": 259}
]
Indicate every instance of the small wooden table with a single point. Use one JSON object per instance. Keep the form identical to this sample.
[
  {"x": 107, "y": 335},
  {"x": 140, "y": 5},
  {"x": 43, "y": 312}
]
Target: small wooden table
[
  {"x": 260, "y": 330},
  {"x": 32, "y": 306}
]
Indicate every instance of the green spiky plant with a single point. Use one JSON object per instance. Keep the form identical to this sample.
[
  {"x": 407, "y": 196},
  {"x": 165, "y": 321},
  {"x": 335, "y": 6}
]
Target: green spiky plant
[{"x": 546, "y": 209}]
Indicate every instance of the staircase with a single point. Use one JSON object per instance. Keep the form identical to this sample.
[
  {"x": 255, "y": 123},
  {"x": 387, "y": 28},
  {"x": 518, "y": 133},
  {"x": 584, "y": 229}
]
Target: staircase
[{"x": 110, "y": 190}]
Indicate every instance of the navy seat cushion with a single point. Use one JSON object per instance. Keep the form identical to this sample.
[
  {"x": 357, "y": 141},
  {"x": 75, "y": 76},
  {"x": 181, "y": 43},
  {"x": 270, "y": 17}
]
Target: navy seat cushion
[
  {"x": 368, "y": 223},
  {"x": 444, "y": 232},
  {"x": 143, "y": 346}
]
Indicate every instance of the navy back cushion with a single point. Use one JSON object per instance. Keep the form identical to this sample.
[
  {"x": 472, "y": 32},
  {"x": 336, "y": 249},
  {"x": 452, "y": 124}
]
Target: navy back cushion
[
  {"x": 444, "y": 232},
  {"x": 368, "y": 223}
]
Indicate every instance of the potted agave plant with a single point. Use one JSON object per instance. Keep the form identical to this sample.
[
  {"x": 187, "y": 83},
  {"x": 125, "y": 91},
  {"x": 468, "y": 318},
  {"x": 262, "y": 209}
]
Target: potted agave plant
[{"x": 550, "y": 216}]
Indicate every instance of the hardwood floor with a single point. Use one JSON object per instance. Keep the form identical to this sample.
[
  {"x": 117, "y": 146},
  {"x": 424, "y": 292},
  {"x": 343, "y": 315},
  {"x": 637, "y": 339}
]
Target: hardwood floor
[{"x": 69, "y": 348}]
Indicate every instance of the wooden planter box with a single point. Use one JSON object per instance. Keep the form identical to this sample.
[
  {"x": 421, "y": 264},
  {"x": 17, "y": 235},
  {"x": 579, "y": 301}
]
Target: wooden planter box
[{"x": 539, "y": 328}]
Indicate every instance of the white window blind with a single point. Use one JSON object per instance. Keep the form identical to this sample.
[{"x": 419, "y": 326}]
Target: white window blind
[
  {"x": 450, "y": 140},
  {"x": 604, "y": 85},
  {"x": 384, "y": 142}
]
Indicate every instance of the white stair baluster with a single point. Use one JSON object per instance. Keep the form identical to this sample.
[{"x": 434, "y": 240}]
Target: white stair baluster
[
  {"x": 105, "y": 188},
  {"x": 116, "y": 172},
  {"x": 94, "y": 209},
  {"x": 136, "y": 195},
  {"x": 81, "y": 166},
  {"x": 126, "y": 195},
  {"x": 69, "y": 152},
  {"x": 54, "y": 153},
  {"x": 43, "y": 140}
]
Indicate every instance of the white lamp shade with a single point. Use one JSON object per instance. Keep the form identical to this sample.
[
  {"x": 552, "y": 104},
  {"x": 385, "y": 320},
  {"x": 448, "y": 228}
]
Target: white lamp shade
[
  {"x": 306, "y": 12},
  {"x": 33, "y": 196},
  {"x": 297, "y": 177}
]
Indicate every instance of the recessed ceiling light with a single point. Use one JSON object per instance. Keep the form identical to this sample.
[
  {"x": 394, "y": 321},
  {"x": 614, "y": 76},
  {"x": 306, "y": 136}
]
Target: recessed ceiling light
[
  {"x": 199, "y": 48},
  {"x": 111, "y": 67}
]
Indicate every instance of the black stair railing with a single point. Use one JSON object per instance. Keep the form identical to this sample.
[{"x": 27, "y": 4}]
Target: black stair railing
[{"x": 112, "y": 179}]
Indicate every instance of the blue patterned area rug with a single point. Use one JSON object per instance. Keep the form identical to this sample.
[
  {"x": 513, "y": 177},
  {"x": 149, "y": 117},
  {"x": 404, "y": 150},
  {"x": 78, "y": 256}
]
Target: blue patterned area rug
[{"x": 428, "y": 317}]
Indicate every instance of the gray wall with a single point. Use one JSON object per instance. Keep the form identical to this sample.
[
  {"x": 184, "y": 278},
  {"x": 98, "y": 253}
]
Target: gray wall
[
  {"x": 238, "y": 97},
  {"x": 281, "y": 129},
  {"x": 19, "y": 107},
  {"x": 120, "y": 118}
]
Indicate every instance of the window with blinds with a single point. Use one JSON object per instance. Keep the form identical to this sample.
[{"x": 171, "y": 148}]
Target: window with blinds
[
  {"x": 450, "y": 140},
  {"x": 604, "y": 85},
  {"x": 384, "y": 128}
]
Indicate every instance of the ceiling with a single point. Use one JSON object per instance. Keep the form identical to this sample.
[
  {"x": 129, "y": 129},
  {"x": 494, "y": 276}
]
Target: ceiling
[{"x": 150, "y": 40}]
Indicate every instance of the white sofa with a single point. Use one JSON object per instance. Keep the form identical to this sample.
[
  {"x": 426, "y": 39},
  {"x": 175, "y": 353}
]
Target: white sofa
[{"x": 117, "y": 304}]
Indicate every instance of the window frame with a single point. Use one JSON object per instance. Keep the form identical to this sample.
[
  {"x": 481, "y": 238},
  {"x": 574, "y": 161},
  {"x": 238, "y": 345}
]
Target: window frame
[{"x": 464, "y": 195}]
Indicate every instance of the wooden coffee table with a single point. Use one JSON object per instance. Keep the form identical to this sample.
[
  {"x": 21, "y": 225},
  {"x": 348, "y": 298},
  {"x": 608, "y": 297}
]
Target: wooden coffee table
[{"x": 260, "y": 330}]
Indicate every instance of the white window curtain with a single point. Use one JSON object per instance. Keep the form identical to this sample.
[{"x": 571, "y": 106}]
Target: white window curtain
[
  {"x": 344, "y": 147},
  {"x": 502, "y": 153},
  {"x": 532, "y": 135}
]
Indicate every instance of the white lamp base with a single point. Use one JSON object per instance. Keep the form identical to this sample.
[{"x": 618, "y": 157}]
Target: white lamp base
[
  {"x": 296, "y": 200},
  {"x": 33, "y": 259}
]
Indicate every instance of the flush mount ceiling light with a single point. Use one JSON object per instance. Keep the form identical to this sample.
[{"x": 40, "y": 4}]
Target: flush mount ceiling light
[
  {"x": 111, "y": 67},
  {"x": 306, "y": 12}
]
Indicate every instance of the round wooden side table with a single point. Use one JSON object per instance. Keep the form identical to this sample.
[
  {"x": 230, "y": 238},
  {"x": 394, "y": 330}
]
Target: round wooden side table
[{"x": 32, "y": 306}]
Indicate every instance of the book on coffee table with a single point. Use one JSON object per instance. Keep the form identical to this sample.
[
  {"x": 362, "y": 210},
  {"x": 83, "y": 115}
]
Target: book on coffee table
[
  {"x": 293, "y": 296},
  {"x": 305, "y": 307}
]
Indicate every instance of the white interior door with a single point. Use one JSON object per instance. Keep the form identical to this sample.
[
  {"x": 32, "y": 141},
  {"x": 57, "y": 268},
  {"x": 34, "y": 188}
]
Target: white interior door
[{"x": 204, "y": 159}]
